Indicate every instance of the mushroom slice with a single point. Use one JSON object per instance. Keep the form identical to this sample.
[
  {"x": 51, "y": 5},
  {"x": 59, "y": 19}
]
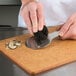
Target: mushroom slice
[{"x": 11, "y": 45}]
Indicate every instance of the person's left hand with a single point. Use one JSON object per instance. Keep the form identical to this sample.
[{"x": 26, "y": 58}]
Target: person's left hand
[{"x": 68, "y": 30}]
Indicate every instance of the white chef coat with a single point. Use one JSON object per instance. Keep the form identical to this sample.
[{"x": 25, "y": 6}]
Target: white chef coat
[{"x": 56, "y": 12}]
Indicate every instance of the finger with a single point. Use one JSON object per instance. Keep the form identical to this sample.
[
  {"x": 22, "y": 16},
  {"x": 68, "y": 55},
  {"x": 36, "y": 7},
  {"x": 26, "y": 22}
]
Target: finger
[
  {"x": 67, "y": 35},
  {"x": 41, "y": 21},
  {"x": 71, "y": 33},
  {"x": 25, "y": 15},
  {"x": 33, "y": 17},
  {"x": 66, "y": 27}
]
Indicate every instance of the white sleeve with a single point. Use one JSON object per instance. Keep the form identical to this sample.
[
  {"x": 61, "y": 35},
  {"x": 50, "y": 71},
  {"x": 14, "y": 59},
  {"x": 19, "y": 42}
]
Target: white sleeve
[{"x": 21, "y": 22}]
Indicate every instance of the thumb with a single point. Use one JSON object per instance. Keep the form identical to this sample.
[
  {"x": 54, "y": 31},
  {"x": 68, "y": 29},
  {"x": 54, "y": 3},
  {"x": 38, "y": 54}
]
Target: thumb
[{"x": 67, "y": 35}]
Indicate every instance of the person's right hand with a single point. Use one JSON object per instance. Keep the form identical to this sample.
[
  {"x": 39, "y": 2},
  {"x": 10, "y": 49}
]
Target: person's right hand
[{"x": 32, "y": 14}]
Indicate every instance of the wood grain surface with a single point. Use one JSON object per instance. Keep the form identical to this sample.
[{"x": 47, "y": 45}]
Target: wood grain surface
[{"x": 58, "y": 53}]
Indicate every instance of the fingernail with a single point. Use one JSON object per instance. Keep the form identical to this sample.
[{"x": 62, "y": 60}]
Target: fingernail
[
  {"x": 61, "y": 33},
  {"x": 35, "y": 27},
  {"x": 35, "y": 30},
  {"x": 40, "y": 28},
  {"x": 31, "y": 33}
]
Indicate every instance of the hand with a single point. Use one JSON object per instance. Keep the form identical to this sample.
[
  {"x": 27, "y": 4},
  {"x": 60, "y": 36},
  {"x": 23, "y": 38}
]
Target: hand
[
  {"x": 33, "y": 16},
  {"x": 68, "y": 30}
]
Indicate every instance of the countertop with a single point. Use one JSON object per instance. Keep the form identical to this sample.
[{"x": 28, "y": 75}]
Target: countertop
[{"x": 58, "y": 53}]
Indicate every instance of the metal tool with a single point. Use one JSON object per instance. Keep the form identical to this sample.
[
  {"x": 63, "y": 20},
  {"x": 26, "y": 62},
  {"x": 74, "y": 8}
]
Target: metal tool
[
  {"x": 53, "y": 35},
  {"x": 31, "y": 43}
]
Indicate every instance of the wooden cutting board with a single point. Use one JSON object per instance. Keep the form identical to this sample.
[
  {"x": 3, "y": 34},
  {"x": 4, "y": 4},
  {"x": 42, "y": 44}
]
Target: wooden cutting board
[{"x": 58, "y": 53}]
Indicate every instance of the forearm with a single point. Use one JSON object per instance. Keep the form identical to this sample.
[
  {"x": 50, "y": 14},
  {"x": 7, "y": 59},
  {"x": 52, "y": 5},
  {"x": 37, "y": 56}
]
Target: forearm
[{"x": 26, "y": 1}]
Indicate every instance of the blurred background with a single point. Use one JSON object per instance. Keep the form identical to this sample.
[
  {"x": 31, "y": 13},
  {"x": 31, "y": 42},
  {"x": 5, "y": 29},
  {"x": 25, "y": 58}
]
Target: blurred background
[{"x": 9, "y": 10}]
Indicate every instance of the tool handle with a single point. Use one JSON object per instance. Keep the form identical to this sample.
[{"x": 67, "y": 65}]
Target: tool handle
[{"x": 54, "y": 28}]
